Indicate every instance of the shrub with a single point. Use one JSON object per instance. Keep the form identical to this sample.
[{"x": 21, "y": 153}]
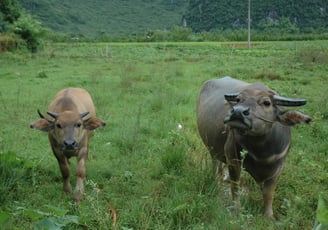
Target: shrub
[
  {"x": 9, "y": 42},
  {"x": 29, "y": 30},
  {"x": 180, "y": 33}
]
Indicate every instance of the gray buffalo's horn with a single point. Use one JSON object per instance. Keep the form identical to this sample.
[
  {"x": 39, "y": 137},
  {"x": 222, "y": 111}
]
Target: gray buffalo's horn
[
  {"x": 52, "y": 114},
  {"x": 284, "y": 101},
  {"x": 231, "y": 96},
  {"x": 83, "y": 114},
  {"x": 40, "y": 114}
]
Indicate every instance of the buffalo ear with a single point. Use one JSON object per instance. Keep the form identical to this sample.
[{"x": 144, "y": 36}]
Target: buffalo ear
[
  {"x": 42, "y": 125},
  {"x": 292, "y": 117},
  {"x": 93, "y": 123}
]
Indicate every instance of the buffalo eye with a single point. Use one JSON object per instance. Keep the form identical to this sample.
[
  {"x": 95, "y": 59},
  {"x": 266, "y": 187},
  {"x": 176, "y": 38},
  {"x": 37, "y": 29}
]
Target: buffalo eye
[
  {"x": 59, "y": 126},
  {"x": 267, "y": 103},
  {"x": 78, "y": 125}
]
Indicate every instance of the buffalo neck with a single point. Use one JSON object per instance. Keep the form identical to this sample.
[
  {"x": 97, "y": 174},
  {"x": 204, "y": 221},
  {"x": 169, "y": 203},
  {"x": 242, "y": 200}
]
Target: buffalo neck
[{"x": 272, "y": 143}]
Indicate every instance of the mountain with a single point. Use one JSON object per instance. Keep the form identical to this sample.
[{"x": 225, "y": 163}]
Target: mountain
[
  {"x": 113, "y": 17},
  {"x": 206, "y": 15},
  {"x": 96, "y": 17}
]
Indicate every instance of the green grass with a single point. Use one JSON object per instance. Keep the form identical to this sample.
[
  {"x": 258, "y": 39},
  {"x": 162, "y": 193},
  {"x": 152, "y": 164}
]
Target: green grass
[{"x": 155, "y": 175}]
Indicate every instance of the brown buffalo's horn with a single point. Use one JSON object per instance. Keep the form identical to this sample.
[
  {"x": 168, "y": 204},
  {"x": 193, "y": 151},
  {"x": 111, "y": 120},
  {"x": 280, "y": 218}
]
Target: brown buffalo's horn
[
  {"x": 52, "y": 114},
  {"x": 83, "y": 114},
  {"x": 231, "y": 96},
  {"x": 40, "y": 114},
  {"x": 284, "y": 101}
]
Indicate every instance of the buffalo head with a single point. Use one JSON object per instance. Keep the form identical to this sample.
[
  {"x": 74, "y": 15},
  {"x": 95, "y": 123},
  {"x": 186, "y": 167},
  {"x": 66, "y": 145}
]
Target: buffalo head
[
  {"x": 254, "y": 111},
  {"x": 67, "y": 128}
]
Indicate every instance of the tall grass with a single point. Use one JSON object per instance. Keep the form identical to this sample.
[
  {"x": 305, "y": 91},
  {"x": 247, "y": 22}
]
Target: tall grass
[{"x": 148, "y": 166}]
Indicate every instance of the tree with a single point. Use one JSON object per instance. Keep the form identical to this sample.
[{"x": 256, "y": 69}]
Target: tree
[
  {"x": 29, "y": 30},
  {"x": 10, "y": 9},
  {"x": 21, "y": 23}
]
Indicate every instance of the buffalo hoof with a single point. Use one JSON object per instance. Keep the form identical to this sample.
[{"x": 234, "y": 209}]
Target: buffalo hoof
[
  {"x": 271, "y": 217},
  {"x": 78, "y": 196},
  {"x": 67, "y": 188}
]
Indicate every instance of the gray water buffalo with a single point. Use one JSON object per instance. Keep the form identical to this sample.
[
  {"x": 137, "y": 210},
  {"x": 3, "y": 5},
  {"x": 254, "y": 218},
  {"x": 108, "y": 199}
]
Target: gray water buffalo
[
  {"x": 236, "y": 117},
  {"x": 70, "y": 121}
]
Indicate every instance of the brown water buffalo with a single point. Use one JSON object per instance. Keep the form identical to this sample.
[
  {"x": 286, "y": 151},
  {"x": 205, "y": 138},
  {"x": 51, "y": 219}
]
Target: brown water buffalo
[
  {"x": 232, "y": 116},
  {"x": 70, "y": 121}
]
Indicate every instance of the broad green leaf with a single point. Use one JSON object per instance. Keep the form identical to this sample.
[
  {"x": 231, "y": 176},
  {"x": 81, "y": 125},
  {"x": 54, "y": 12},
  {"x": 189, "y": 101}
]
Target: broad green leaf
[
  {"x": 318, "y": 226},
  {"x": 35, "y": 214},
  {"x": 69, "y": 219},
  {"x": 57, "y": 211},
  {"x": 322, "y": 210},
  {"x": 50, "y": 223},
  {"x": 55, "y": 223}
]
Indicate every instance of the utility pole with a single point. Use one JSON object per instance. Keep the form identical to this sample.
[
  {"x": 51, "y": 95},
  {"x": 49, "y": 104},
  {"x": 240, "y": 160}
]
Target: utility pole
[{"x": 249, "y": 26}]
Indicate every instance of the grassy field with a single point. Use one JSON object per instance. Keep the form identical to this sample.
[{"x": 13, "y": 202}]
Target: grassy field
[{"x": 148, "y": 165}]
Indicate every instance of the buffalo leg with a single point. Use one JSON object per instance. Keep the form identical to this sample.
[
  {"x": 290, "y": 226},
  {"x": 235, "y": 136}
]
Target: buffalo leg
[
  {"x": 234, "y": 174},
  {"x": 217, "y": 169},
  {"x": 220, "y": 171},
  {"x": 63, "y": 163},
  {"x": 234, "y": 167},
  {"x": 80, "y": 178},
  {"x": 268, "y": 189},
  {"x": 64, "y": 169}
]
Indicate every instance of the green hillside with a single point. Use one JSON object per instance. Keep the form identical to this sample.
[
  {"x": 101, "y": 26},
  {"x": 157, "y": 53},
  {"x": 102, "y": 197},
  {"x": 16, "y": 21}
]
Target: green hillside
[
  {"x": 92, "y": 18},
  {"x": 103, "y": 16},
  {"x": 305, "y": 15}
]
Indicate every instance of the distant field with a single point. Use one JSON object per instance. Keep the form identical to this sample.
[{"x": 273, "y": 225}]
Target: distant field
[{"x": 143, "y": 165}]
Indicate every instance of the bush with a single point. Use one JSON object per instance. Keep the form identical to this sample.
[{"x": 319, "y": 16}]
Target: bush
[
  {"x": 9, "y": 42},
  {"x": 180, "y": 34},
  {"x": 29, "y": 30}
]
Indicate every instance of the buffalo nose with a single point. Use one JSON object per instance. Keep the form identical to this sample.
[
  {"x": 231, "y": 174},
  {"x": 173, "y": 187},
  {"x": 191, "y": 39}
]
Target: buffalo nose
[
  {"x": 70, "y": 144},
  {"x": 240, "y": 111}
]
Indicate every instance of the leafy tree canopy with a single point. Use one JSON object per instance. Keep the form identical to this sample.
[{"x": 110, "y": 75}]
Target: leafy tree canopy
[{"x": 10, "y": 10}]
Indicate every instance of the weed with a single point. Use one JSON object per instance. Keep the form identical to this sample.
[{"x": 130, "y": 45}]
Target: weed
[
  {"x": 174, "y": 155},
  {"x": 100, "y": 215},
  {"x": 42, "y": 74},
  {"x": 11, "y": 173}
]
